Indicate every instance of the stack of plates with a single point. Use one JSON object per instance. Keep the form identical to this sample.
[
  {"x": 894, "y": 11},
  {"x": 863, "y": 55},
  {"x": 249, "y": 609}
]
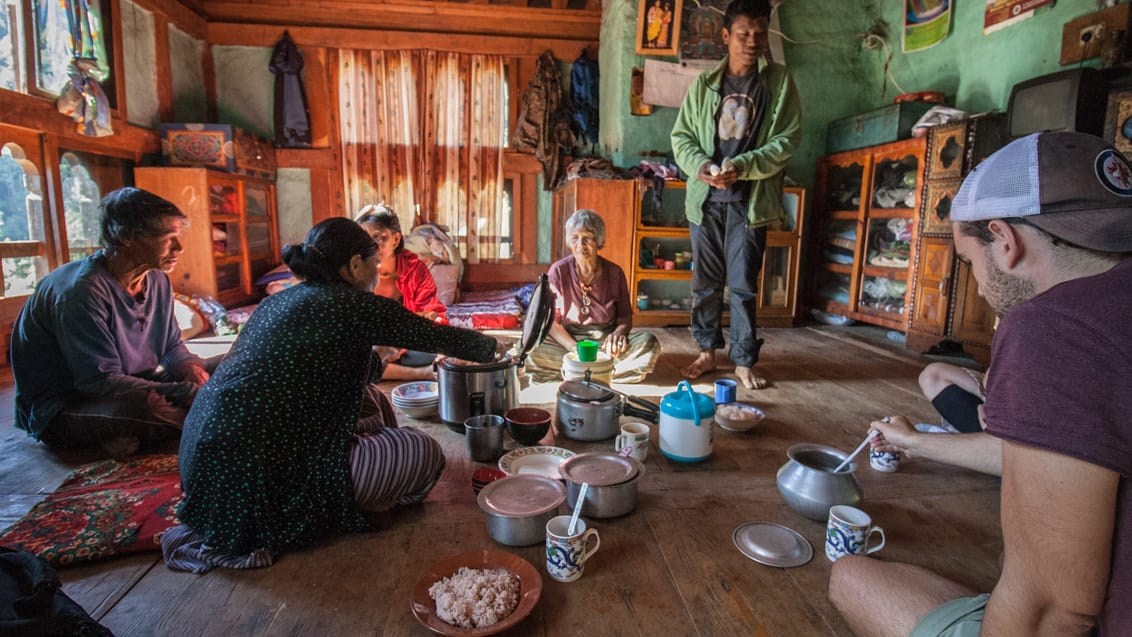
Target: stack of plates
[{"x": 416, "y": 400}]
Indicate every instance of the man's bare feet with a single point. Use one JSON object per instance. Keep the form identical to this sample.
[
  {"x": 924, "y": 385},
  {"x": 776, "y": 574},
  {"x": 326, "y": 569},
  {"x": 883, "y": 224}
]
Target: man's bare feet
[
  {"x": 703, "y": 364},
  {"x": 747, "y": 376}
]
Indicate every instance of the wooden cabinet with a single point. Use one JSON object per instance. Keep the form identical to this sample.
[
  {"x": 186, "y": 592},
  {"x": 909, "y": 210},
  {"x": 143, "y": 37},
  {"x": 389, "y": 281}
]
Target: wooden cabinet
[
  {"x": 640, "y": 225},
  {"x": 949, "y": 313},
  {"x": 867, "y": 206},
  {"x": 614, "y": 199},
  {"x": 233, "y": 234}
]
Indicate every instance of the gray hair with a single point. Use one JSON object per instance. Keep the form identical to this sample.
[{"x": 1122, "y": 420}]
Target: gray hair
[{"x": 590, "y": 221}]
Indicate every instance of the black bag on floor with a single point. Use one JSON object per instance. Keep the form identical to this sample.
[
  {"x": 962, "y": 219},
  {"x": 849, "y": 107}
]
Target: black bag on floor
[{"x": 32, "y": 602}]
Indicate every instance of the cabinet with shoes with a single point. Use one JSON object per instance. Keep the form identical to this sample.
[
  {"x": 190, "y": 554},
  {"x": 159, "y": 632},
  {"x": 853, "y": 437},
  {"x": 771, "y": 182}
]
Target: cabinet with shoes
[
  {"x": 949, "y": 315},
  {"x": 866, "y": 209}
]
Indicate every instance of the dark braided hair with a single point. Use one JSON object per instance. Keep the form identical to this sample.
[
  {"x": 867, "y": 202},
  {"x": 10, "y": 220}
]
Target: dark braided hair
[{"x": 327, "y": 247}]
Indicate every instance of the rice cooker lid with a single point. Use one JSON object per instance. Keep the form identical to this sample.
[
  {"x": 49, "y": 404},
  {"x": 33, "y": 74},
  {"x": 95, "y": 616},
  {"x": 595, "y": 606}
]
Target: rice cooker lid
[
  {"x": 504, "y": 362},
  {"x": 522, "y": 496},
  {"x": 539, "y": 318},
  {"x": 598, "y": 468},
  {"x": 585, "y": 392}
]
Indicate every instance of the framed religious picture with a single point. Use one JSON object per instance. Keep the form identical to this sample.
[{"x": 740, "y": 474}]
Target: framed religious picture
[
  {"x": 658, "y": 27},
  {"x": 702, "y": 25},
  {"x": 1118, "y": 121},
  {"x": 937, "y": 208}
]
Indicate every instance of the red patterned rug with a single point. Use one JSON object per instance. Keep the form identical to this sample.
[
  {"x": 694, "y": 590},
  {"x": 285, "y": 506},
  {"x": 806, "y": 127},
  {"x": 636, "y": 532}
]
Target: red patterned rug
[{"x": 102, "y": 509}]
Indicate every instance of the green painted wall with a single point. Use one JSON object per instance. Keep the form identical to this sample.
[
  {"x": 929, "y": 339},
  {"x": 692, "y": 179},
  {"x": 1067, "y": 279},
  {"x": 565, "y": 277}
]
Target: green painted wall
[{"x": 837, "y": 77}]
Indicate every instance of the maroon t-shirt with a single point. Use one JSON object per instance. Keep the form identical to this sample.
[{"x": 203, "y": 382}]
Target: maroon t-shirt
[
  {"x": 609, "y": 297},
  {"x": 1061, "y": 380}
]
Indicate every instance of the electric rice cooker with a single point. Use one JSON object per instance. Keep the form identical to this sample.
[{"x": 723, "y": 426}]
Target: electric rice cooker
[{"x": 472, "y": 389}]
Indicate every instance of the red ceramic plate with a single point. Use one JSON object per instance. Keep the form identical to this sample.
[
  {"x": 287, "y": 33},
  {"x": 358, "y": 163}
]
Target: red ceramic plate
[{"x": 530, "y": 588}]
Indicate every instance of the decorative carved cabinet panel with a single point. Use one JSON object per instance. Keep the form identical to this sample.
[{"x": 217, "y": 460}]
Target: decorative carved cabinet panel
[{"x": 948, "y": 310}]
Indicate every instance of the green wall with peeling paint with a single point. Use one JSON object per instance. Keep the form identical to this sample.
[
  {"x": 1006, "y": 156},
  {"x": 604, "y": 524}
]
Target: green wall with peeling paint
[{"x": 838, "y": 77}]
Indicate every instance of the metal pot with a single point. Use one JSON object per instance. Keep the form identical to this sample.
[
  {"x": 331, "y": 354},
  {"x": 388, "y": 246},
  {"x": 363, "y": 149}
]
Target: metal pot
[
  {"x": 517, "y": 508},
  {"x": 470, "y": 389},
  {"x": 589, "y": 410},
  {"x": 809, "y": 485},
  {"x": 610, "y": 500}
]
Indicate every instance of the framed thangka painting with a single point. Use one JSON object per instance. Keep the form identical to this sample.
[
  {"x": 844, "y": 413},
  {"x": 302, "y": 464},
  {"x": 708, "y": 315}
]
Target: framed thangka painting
[
  {"x": 703, "y": 24},
  {"x": 658, "y": 27}
]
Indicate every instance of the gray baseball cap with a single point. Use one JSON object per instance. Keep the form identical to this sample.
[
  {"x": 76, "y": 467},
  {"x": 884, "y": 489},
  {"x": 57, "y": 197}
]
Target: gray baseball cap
[{"x": 1075, "y": 186}]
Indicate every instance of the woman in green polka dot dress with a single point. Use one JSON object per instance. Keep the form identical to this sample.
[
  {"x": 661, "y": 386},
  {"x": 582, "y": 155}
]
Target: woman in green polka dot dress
[{"x": 289, "y": 441}]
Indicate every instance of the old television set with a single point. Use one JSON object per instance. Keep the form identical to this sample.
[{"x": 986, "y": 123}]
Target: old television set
[{"x": 1072, "y": 100}]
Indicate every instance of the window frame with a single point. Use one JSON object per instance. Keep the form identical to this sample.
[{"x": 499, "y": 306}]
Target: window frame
[
  {"x": 29, "y": 61},
  {"x": 33, "y": 144}
]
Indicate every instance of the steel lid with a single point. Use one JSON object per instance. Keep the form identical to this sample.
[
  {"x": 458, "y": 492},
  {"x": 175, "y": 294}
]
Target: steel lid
[
  {"x": 599, "y": 468},
  {"x": 522, "y": 496},
  {"x": 772, "y": 544},
  {"x": 538, "y": 319},
  {"x": 585, "y": 391}
]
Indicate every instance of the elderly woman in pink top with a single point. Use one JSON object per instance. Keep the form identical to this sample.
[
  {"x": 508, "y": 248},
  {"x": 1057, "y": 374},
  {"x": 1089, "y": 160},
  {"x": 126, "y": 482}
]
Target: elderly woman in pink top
[{"x": 592, "y": 303}]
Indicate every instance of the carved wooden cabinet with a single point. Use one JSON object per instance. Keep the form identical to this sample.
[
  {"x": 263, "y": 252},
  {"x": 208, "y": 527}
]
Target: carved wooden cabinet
[
  {"x": 948, "y": 312},
  {"x": 233, "y": 233},
  {"x": 866, "y": 209}
]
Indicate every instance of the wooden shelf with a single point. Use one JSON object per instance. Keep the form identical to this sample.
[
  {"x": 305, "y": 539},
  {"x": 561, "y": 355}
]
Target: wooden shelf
[
  {"x": 840, "y": 268},
  {"x": 896, "y": 274},
  {"x": 891, "y": 213},
  {"x": 843, "y": 214}
]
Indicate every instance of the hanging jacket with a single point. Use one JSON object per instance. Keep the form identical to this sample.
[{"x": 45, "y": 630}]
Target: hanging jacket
[
  {"x": 544, "y": 125},
  {"x": 584, "y": 77},
  {"x": 292, "y": 117}
]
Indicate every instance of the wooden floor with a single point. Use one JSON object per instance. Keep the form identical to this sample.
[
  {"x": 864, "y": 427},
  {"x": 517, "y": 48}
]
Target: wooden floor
[{"x": 669, "y": 568}]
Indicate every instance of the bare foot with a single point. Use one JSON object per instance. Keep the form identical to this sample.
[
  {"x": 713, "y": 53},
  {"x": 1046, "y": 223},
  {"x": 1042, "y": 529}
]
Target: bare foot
[
  {"x": 703, "y": 364},
  {"x": 747, "y": 377}
]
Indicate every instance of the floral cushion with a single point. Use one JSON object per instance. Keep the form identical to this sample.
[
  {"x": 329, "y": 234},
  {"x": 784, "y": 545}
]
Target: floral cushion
[{"x": 102, "y": 509}]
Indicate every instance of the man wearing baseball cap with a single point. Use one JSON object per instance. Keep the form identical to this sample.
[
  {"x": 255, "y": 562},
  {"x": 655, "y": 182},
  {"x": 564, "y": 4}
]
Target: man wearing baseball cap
[{"x": 1046, "y": 224}]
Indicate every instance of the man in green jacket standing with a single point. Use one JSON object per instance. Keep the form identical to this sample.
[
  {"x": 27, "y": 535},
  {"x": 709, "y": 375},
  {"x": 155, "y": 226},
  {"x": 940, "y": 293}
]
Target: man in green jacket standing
[{"x": 737, "y": 129}]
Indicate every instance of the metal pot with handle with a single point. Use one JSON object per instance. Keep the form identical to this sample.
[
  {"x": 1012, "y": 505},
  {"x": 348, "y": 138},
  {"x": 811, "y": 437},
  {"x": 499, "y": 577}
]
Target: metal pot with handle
[{"x": 589, "y": 410}]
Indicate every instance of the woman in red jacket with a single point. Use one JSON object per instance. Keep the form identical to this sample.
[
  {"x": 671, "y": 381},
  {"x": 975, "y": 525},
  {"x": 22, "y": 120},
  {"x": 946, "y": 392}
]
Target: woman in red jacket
[{"x": 403, "y": 277}]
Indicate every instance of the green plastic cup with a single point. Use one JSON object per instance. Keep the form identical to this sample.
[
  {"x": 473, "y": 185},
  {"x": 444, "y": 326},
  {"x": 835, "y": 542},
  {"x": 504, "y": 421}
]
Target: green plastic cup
[{"x": 587, "y": 351}]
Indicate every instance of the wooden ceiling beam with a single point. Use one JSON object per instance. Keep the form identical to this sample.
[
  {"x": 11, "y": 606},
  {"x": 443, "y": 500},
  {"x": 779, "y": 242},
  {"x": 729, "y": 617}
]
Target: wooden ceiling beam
[
  {"x": 430, "y": 17},
  {"x": 225, "y": 33}
]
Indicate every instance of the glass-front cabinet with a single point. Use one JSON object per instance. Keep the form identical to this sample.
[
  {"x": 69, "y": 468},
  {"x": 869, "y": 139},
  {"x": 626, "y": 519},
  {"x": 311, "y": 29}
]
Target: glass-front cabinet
[
  {"x": 868, "y": 200},
  {"x": 232, "y": 238},
  {"x": 661, "y": 284}
]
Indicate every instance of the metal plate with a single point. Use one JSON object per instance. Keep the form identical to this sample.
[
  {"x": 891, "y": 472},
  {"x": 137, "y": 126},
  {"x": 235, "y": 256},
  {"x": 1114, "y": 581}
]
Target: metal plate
[
  {"x": 772, "y": 544},
  {"x": 521, "y": 496},
  {"x": 598, "y": 468}
]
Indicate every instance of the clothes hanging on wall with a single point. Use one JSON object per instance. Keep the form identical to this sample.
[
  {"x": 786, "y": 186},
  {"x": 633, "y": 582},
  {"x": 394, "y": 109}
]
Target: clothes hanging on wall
[
  {"x": 544, "y": 121},
  {"x": 584, "y": 81},
  {"x": 292, "y": 117}
]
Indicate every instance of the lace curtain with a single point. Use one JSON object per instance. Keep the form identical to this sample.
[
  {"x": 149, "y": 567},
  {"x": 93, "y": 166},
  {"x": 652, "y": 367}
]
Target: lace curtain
[{"x": 423, "y": 131}]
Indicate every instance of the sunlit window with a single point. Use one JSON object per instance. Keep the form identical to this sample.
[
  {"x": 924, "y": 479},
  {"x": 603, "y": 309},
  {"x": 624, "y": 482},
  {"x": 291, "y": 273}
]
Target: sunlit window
[
  {"x": 22, "y": 260},
  {"x": 80, "y": 207},
  {"x": 53, "y": 33},
  {"x": 11, "y": 71},
  {"x": 507, "y": 219}
]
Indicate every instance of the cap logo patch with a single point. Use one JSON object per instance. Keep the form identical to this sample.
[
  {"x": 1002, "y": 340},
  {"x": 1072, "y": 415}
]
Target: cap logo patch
[{"x": 1114, "y": 172}]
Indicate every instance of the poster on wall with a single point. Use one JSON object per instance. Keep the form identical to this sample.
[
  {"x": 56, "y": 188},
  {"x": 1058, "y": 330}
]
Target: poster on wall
[
  {"x": 658, "y": 27},
  {"x": 667, "y": 82},
  {"x": 703, "y": 22},
  {"x": 926, "y": 23},
  {"x": 1003, "y": 13}
]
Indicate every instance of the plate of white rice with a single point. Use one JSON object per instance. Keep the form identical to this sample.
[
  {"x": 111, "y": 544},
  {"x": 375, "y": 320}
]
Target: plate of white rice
[{"x": 476, "y": 593}]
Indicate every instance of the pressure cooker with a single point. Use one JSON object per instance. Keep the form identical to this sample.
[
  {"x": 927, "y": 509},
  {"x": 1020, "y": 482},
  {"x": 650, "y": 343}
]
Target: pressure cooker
[
  {"x": 472, "y": 389},
  {"x": 589, "y": 410}
]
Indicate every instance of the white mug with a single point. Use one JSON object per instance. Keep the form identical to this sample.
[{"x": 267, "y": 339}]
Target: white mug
[
  {"x": 848, "y": 533},
  {"x": 635, "y": 435},
  {"x": 566, "y": 555}
]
